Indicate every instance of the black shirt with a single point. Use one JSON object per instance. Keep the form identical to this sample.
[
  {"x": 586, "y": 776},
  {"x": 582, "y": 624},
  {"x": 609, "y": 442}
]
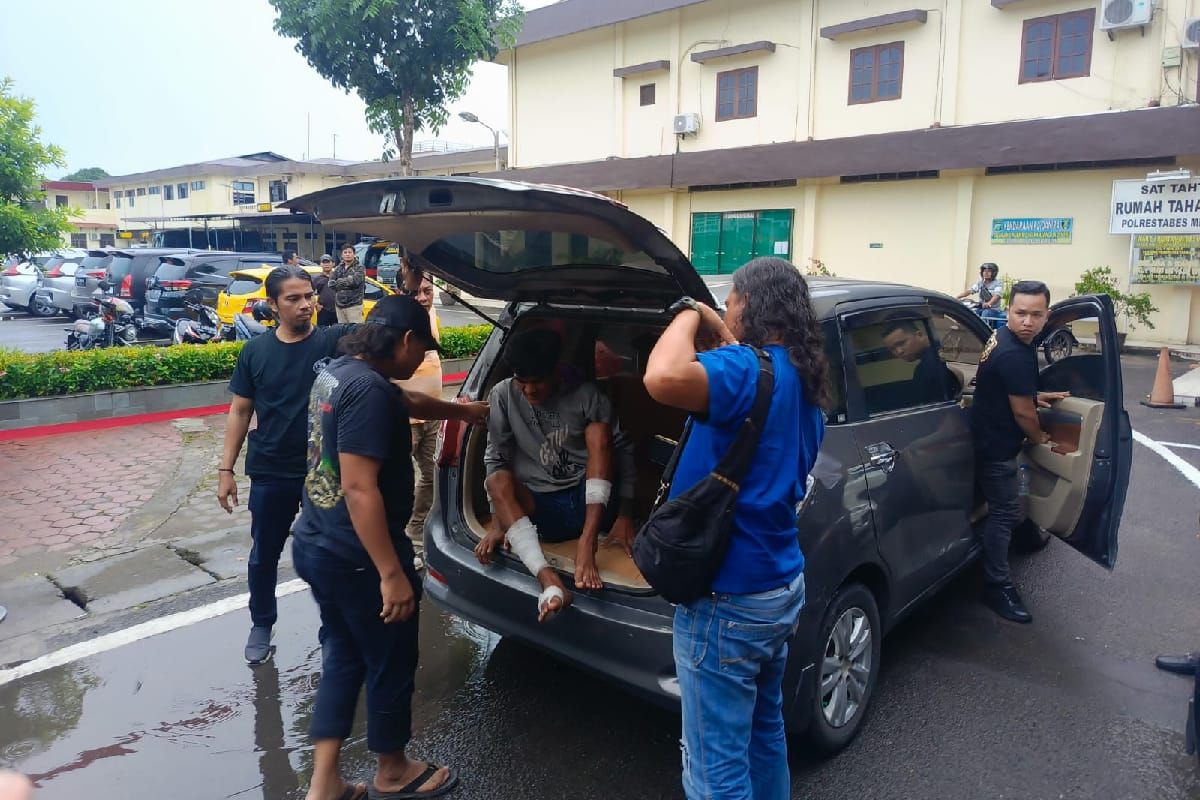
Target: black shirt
[
  {"x": 934, "y": 380},
  {"x": 277, "y": 376},
  {"x": 1008, "y": 367},
  {"x": 355, "y": 410},
  {"x": 325, "y": 296}
]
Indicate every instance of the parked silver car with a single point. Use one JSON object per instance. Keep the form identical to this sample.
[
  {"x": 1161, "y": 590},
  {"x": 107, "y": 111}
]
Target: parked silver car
[
  {"x": 18, "y": 289},
  {"x": 92, "y": 269},
  {"x": 58, "y": 284}
]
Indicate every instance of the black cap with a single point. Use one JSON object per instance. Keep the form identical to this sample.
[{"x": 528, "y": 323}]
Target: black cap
[{"x": 405, "y": 314}]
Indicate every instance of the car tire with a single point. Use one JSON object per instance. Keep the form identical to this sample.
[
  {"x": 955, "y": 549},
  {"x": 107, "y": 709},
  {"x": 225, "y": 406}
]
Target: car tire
[
  {"x": 1030, "y": 538},
  {"x": 41, "y": 308},
  {"x": 834, "y": 726}
]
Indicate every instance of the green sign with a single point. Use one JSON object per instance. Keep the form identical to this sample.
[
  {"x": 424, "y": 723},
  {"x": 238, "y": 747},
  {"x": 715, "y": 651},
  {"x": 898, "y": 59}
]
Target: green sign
[
  {"x": 1032, "y": 230},
  {"x": 1166, "y": 259}
]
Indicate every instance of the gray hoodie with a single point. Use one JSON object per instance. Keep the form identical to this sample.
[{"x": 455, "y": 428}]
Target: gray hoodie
[{"x": 544, "y": 446}]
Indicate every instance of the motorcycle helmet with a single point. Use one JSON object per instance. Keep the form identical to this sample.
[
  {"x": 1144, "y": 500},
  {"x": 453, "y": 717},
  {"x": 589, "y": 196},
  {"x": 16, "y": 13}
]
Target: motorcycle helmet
[
  {"x": 261, "y": 311},
  {"x": 989, "y": 265}
]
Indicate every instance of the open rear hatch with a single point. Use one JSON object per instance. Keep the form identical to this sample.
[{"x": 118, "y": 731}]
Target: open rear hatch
[{"x": 513, "y": 241}]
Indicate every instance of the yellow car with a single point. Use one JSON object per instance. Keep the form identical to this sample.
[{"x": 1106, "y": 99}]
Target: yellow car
[{"x": 246, "y": 288}]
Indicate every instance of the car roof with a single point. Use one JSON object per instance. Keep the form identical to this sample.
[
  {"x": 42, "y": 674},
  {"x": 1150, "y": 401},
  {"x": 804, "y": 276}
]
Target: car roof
[
  {"x": 261, "y": 273},
  {"x": 828, "y": 292}
]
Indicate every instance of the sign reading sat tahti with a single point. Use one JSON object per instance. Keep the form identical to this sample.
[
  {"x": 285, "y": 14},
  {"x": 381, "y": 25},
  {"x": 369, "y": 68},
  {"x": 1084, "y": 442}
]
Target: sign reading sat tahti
[
  {"x": 1141, "y": 207},
  {"x": 1032, "y": 230}
]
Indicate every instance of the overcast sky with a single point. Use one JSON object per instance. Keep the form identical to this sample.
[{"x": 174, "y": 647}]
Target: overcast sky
[{"x": 133, "y": 85}]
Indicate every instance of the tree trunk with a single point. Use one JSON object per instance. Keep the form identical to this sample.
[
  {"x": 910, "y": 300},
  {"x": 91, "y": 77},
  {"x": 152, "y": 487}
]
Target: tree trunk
[{"x": 404, "y": 136}]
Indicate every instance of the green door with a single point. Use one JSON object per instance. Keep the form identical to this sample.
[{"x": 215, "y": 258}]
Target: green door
[
  {"x": 706, "y": 242},
  {"x": 737, "y": 240},
  {"x": 773, "y": 236}
]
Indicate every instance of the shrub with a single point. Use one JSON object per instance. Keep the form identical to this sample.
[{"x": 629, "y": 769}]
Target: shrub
[
  {"x": 465, "y": 341},
  {"x": 76, "y": 371},
  {"x": 1136, "y": 307}
]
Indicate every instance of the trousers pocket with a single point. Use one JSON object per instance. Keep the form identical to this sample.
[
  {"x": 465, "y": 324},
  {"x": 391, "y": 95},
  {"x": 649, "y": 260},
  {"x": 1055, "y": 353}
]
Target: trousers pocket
[{"x": 741, "y": 646}]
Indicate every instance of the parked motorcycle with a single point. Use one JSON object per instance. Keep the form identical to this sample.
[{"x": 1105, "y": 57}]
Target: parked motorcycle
[
  {"x": 111, "y": 325},
  {"x": 256, "y": 323},
  {"x": 202, "y": 328}
]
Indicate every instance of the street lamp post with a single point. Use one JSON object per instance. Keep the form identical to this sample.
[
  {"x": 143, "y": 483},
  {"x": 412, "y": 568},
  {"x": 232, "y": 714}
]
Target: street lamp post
[{"x": 467, "y": 116}]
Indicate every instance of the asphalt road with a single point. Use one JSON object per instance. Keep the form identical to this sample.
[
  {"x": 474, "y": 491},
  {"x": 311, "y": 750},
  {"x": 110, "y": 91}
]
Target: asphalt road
[
  {"x": 967, "y": 706},
  {"x": 40, "y": 334}
]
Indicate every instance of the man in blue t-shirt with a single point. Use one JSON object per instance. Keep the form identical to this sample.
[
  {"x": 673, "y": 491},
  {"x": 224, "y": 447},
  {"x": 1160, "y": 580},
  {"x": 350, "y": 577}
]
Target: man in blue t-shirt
[{"x": 733, "y": 717}]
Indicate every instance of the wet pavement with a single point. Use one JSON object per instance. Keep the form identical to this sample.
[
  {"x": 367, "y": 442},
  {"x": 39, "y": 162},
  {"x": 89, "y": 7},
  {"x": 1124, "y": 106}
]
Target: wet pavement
[{"x": 966, "y": 705}]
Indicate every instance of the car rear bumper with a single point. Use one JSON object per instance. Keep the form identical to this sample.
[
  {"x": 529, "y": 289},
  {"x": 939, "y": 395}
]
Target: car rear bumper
[{"x": 631, "y": 646}]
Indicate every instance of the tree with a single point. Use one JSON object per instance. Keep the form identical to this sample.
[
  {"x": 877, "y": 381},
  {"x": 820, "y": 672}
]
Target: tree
[
  {"x": 26, "y": 225},
  {"x": 87, "y": 174},
  {"x": 406, "y": 59}
]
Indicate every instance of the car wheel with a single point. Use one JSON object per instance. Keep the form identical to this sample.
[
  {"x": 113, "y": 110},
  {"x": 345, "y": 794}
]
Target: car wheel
[
  {"x": 42, "y": 308},
  {"x": 1029, "y": 537},
  {"x": 847, "y": 667},
  {"x": 1058, "y": 346}
]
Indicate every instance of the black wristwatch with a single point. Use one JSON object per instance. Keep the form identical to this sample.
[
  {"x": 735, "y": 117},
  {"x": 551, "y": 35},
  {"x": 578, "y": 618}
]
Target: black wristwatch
[{"x": 682, "y": 304}]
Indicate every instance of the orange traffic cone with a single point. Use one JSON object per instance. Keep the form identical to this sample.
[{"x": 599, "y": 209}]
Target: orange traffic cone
[{"x": 1163, "y": 393}]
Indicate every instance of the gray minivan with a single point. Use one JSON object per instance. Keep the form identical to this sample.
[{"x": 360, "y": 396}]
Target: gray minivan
[{"x": 892, "y": 512}]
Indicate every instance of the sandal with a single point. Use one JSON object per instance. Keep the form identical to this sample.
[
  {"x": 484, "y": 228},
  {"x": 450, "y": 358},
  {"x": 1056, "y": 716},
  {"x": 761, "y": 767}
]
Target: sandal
[{"x": 409, "y": 791}]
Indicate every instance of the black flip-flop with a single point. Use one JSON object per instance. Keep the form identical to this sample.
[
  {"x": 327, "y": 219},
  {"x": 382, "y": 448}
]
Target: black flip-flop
[
  {"x": 409, "y": 791},
  {"x": 351, "y": 792}
]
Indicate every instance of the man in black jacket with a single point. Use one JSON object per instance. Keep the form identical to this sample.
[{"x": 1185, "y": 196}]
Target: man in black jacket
[{"x": 326, "y": 301}]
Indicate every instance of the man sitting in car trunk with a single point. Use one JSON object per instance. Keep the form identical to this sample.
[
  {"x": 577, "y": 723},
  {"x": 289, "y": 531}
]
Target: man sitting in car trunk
[{"x": 550, "y": 468}]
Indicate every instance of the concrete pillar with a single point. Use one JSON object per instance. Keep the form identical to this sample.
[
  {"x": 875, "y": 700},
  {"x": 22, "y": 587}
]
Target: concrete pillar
[{"x": 807, "y": 224}]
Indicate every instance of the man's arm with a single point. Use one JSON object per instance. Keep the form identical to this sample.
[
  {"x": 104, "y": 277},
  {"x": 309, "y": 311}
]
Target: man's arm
[
  {"x": 1025, "y": 413},
  {"x": 498, "y": 453},
  {"x": 352, "y": 279},
  {"x": 237, "y": 423},
  {"x": 364, "y": 501},
  {"x": 673, "y": 375},
  {"x": 424, "y": 406}
]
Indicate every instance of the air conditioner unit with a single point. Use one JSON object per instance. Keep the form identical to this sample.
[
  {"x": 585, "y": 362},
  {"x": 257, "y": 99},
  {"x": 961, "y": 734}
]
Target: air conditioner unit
[
  {"x": 1191, "y": 34},
  {"x": 687, "y": 123},
  {"x": 1118, "y": 14}
]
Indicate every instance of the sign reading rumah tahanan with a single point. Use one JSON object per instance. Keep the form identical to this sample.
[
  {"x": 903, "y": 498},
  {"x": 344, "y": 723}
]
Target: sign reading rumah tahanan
[{"x": 1155, "y": 207}]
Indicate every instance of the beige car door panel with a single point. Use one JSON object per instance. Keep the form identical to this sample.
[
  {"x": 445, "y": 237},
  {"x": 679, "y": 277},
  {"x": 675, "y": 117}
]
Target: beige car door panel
[{"x": 1060, "y": 471}]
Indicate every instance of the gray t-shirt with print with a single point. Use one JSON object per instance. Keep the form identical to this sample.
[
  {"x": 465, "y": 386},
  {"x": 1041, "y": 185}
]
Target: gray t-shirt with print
[{"x": 544, "y": 446}]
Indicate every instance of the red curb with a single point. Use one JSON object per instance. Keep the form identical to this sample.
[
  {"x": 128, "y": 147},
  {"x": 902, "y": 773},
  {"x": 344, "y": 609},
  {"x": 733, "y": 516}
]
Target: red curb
[
  {"x": 138, "y": 419},
  {"x": 109, "y": 422}
]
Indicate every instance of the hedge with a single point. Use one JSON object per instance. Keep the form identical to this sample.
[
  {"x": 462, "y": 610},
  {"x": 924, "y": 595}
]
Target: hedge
[{"x": 76, "y": 371}]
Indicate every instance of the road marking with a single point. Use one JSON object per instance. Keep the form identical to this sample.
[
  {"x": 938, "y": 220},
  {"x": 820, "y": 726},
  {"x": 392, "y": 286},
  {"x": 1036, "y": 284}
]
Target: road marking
[
  {"x": 1180, "y": 444},
  {"x": 1185, "y": 469},
  {"x": 144, "y": 630}
]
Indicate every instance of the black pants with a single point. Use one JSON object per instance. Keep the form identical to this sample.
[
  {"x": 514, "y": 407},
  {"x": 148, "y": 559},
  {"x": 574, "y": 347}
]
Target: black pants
[
  {"x": 357, "y": 647},
  {"x": 998, "y": 480},
  {"x": 274, "y": 503}
]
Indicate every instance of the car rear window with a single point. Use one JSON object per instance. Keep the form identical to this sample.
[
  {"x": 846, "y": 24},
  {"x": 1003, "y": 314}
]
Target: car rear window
[
  {"x": 168, "y": 271},
  {"x": 507, "y": 251},
  {"x": 95, "y": 262},
  {"x": 119, "y": 266},
  {"x": 243, "y": 285}
]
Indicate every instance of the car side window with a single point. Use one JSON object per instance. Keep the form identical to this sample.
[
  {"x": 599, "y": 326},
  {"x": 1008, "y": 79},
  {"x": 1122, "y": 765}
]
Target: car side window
[
  {"x": 836, "y": 413},
  {"x": 898, "y": 366},
  {"x": 958, "y": 342}
]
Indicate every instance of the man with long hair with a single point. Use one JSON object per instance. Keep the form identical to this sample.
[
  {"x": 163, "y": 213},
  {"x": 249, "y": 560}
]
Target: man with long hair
[
  {"x": 272, "y": 378},
  {"x": 731, "y": 646},
  {"x": 351, "y": 548}
]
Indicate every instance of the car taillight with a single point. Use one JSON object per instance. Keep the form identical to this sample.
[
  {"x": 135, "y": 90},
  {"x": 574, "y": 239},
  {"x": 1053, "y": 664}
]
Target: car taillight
[
  {"x": 12, "y": 270},
  {"x": 249, "y": 307},
  {"x": 96, "y": 273},
  {"x": 449, "y": 443},
  {"x": 175, "y": 285},
  {"x": 435, "y": 575},
  {"x": 55, "y": 273},
  {"x": 127, "y": 285}
]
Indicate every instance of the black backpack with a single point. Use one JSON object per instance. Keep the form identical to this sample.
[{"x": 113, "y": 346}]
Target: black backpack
[{"x": 683, "y": 543}]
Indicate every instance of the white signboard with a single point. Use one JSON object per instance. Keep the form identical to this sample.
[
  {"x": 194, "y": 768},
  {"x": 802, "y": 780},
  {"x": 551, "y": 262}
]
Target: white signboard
[{"x": 1141, "y": 207}]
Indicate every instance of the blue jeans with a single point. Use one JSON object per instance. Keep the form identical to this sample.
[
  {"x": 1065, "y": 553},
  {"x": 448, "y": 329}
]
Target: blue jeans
[
  {"x": 559, "y": 516},
  {"x": 274, "y": 503},
  {"x": 730, "y": 653},
  {"x": 358, "y": 647}
]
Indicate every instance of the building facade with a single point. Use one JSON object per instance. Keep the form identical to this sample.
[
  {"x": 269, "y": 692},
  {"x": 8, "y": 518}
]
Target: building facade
[
  {"x": 93, "y": 223},
  {"x": 233, "y": 202},
  {"x": 881, "y": 140}
]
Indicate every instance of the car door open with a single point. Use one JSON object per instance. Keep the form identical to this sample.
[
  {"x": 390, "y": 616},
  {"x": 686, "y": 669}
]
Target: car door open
[{"x": 1077, "y": 483}]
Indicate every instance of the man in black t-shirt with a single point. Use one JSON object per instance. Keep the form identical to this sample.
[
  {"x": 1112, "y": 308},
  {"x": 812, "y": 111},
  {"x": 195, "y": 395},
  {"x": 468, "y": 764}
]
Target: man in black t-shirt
[
  {"x": 351, "y": 547},
  {"x": 272, "y": 379},
  {"x": 906, "y": 339},
  {"x": 1003, "y": 415}
]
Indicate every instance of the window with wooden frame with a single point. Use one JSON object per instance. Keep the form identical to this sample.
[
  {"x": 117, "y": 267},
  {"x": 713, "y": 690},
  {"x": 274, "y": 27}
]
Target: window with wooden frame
[
  {"x": 646, "y": 94},
  {"x": 737, "y": 94},
  {"x": 876, "y": 73},
  {"x": 1057, "y": 47}
]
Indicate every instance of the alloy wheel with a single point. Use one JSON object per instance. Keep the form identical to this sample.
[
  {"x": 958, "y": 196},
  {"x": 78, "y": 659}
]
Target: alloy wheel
[{"x": 846, "y": 668}]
